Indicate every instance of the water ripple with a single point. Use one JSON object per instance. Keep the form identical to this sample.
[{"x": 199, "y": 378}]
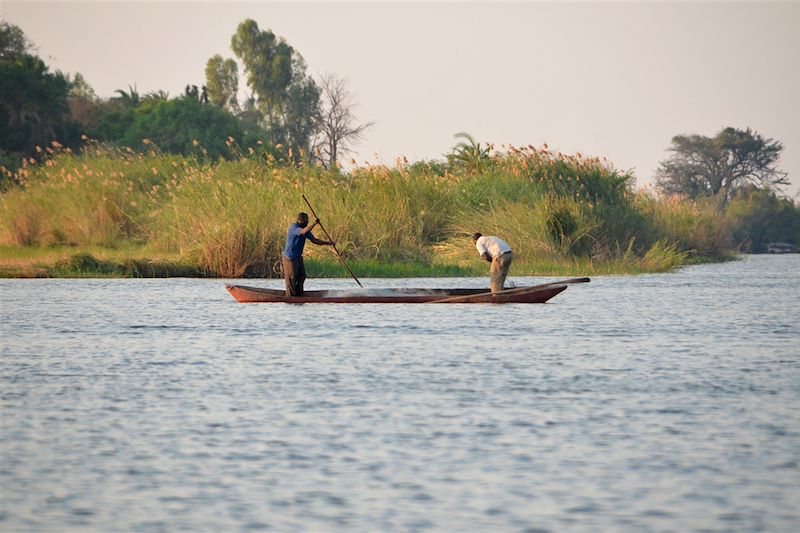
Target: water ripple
[{"x": 658, "y": 402}]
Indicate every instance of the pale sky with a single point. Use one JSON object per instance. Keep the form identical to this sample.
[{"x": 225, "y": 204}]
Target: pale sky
[{"x": 606, "y": 79}]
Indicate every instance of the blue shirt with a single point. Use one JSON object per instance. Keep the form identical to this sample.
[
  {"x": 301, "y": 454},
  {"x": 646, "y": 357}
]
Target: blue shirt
[{"x": 295, "y": 241}]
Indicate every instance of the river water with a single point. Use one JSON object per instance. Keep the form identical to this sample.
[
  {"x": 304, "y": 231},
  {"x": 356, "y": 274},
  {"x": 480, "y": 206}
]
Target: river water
[{"x": 651, "y": 403}]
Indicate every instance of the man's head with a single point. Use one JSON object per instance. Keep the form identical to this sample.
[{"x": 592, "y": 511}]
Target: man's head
[
  {"x": 302, "y": 220},
  {"x": 476, "y": 236}
]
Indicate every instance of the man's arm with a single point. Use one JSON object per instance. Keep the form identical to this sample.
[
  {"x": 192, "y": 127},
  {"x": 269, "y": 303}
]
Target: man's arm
[
  {"x": 317, "y": 241},
  {"x": 486, "y": 256},
  {"x": 308, "y": 229},
  {"x": 310, "y": 236}
]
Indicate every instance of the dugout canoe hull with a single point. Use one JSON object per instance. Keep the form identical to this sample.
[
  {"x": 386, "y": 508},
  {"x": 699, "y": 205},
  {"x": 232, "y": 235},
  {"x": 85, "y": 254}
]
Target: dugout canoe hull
[{"x": 522, "y": 295}]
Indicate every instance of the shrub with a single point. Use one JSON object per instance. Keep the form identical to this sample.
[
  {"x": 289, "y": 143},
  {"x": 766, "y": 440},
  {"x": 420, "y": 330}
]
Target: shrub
[
  {"x": 178, "y": 125},
  {"x": 758, "y": 217}
]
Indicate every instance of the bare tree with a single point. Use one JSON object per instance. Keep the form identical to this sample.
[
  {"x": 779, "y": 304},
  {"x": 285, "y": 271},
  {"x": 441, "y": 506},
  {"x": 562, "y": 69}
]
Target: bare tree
[{"x": 339, "y": 129}]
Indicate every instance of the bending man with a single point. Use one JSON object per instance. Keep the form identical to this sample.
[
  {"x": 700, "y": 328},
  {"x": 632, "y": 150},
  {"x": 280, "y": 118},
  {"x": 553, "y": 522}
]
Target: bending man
[
  {"x": 498, "y": 253},
  {"x": 294, "y": 271}
]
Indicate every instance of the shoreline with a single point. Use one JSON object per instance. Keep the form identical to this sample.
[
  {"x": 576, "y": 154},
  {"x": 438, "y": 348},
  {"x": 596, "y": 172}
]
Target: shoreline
[{"x": 135, "y": 262}]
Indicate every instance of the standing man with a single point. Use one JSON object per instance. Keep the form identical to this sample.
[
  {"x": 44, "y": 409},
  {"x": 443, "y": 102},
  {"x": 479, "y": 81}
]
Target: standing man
[
  {"x": 498, "y": 253},
  {"x": 294, "y": 271}
]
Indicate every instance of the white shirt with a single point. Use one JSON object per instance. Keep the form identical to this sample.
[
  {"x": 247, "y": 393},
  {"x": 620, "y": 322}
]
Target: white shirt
[{"x": 494, "y": 246}]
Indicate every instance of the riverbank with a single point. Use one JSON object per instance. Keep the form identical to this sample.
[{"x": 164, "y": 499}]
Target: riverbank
[
  {"x": 141, "y": 262},
  {"x": 119, "y": 213}
]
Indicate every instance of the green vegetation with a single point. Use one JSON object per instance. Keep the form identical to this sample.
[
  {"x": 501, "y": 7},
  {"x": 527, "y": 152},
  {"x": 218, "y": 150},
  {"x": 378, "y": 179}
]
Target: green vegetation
[
  {"x": 203, "y": 185},
  {"x": 128, "y": 260},
  {"x": 108, "y": 211},
  {"x": 33, "y": 101},
  {"x": 288, "y": 114},
  {"x": 180, "y": 125},
  {"x": 758, "y": 217}
]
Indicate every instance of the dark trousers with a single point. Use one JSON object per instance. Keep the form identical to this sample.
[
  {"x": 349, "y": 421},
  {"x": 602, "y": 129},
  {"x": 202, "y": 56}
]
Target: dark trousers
[{"x": 294, "y": 275}]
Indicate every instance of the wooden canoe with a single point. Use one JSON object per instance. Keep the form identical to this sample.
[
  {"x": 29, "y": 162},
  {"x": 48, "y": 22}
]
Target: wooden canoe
[{"x": 520, "y": 295}]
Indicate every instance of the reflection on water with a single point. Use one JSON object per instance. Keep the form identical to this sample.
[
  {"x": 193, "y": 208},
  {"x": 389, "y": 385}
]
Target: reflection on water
[{"x": 631, "y": 403}]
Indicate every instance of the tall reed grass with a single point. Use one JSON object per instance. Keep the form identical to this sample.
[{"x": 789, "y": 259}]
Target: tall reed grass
[
  {"x": 695, "y": 227},
  {"x": 230, "y": 217}
]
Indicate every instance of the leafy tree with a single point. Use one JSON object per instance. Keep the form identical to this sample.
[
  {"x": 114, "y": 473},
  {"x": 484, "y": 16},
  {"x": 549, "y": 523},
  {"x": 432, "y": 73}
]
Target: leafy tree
[
  {"x": 85, "y": 108},
  {"x": 177, "y": 125},
  {"x": 268, "y": 63},
  {"x": 250, "y": 117},
  {"x": 191, "y": 91},
  {"x": 286, "y": 98},
  {"x": 80, "y": 88},
  {"x": 339, "y": 129},
  {"x": 114, "y": 123},
  {"x": 33, "y": 101},
  {"x": 222, "y": 80},
  {"x": 105, "y": 120},
  {"x": 301, "y": 113},
  {"x": 13, "y": 42},
  {"x": 759, "y": 217},
  {"x": 719, "y": 165}
]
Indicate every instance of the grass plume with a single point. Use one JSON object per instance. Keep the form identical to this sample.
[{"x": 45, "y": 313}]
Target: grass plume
[{"x": 560, "y": 213}]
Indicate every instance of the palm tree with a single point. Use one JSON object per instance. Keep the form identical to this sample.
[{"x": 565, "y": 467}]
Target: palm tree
[
  {"x": 130, "y": 98},
  {"x": 156, "y": 95},
  {"x": 469, "y": 153}
]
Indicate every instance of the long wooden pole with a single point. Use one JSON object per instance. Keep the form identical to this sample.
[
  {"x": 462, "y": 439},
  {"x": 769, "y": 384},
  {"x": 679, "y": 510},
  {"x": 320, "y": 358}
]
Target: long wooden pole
[{"x": 331, "y": 240}]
